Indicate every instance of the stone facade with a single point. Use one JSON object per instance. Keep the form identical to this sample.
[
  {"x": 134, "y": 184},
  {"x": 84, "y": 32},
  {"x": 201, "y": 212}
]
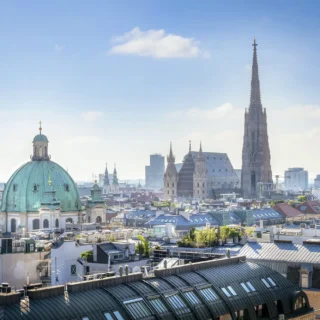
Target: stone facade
[
  {"x": 185, "y": 182},
  {"x": 170, "y": 178},
  {"x": 200, "y": 177},
  {"x": 256, "y": 174}
]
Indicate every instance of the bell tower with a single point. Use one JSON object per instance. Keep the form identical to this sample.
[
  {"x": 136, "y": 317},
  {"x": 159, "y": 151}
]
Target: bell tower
[
  {"x": 40, "y": 146},
  {"x": 256, "y": 174}
]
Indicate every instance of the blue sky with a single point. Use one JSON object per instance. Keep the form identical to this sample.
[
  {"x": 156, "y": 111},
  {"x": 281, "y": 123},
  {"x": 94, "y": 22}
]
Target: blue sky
[{"x": 114, "y": 81}]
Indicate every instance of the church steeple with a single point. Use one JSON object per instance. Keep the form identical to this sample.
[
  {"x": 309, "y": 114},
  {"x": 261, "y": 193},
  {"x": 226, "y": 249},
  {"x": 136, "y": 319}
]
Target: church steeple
[
  {"x": 115, "y": 176},
  {"x": 170, "y": 157},
  {"x": 256, "y": 168},
  {"x": 106, "y": 181},
  {"x": 255, "y": 98}
]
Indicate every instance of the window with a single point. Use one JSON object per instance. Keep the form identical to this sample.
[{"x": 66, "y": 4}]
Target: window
[
  {"x": 158, "y": 305},
  {"x": 273, "y": 284},
  {"x": 172, "y": 191},
  {"x": 266, "y": 283},
  {"x": 85, "y": 318},
  {"x": 245, "y": 287},
  {"x": 172, "y": 184},
  {"x": 35, "y": 188},
  {"x": 108, "y": 316},
  {"x": 208, "y": 294},
  {"x": 73, "y": 269},
  {"x": 248, "y": 287},
  {"x": 137, "y": 308},
  {"x": 226, "y": 292},
  {"x": 192, "y": 298},
  {"x": 232, "y": 291},
  {"x": 66, "y": 187},
  {"x": 252, "y": 288},
  {"x": 15, "y": 187},
  {"x": 118, "y": 315},
  {"x": 177, "y": 304}
]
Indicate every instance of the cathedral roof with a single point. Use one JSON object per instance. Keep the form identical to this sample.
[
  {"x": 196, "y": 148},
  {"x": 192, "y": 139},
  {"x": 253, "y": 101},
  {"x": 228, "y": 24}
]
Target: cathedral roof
[{"x": 185, "y": 182}]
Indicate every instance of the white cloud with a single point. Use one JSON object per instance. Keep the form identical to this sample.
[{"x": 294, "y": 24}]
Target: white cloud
[
  {"x": 157, "y": 44},
  {"x": 91, "y": 115},
  {"x": 204, "y": 114}
]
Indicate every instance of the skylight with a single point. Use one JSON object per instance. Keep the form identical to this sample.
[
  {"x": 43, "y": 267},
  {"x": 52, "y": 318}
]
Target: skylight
[
  {"x": 177, "y": 304},
  {"x": 248, "y": 287},
  {"x": 192, "y": 298},
  {"x": 226, "y": 292},
  {"x": 208, "y": 294},
  {"x": 158, "y": 305},
  {"x": 137, "y": 308},
  {"x": 266, "y": 283}
]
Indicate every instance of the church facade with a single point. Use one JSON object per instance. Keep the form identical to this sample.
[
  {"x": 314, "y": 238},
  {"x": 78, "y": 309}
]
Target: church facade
[
  {"x": 112, "y": 187},
  {"x": 40, "y": 194},
  {"x": 256, "y": 174},
  {"x": 201, "y": 175}
]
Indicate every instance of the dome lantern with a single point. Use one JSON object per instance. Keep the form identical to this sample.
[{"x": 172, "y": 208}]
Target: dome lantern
[{"x": 40, "y": 146}]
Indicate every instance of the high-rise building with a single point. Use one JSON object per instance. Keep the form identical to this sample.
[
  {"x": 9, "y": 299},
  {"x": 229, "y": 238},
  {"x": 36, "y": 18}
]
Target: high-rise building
[
  {"x": 256, "y": 174},
  {"x": 317, "y": 182},
  {"x": 155, "y": 171},
  {"x": 296, "y": 179}
]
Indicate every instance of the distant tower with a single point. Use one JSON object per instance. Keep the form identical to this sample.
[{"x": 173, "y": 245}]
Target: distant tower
[
  {"x": 170, "y": 177},
  {"x": 185, "y": 183},
  {"x": 200, "y": 177},
  {"x": 106, "y": 182},
  {"x": 115, "y": 182},
  {"x": 256, "y": 175}
]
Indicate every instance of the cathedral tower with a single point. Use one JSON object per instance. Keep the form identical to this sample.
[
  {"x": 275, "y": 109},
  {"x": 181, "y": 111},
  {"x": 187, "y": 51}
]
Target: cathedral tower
[
  {"x": 170, "y": 177},
  {"x": 106, "y": 182},
  {"x": 256, "y": 175},
  {"x": 200, "y": 177}
]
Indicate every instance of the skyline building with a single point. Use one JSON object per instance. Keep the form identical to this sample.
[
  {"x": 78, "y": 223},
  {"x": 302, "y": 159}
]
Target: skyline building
[
  {"x": 155, "y": 171},
  {"x": 256, "y": 174},
  {"x": 296, "y": 179}
]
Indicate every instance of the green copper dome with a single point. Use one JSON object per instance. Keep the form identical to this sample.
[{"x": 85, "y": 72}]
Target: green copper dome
[
  {"x": 40, "y": 138},
  {"x": 26, "y": 188}
]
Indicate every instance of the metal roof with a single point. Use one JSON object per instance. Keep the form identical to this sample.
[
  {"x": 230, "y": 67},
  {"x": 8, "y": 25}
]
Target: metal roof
[
  {"x": 191, "y": 295},
  {"x": 284, "y": 252}
]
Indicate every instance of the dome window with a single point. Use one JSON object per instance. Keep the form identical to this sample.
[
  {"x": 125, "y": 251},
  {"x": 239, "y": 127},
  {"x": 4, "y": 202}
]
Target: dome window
[
  {"x": 66, "y": 187},
  {"x": 15, "y": 187},
  {"x": 35, "y": 188}
]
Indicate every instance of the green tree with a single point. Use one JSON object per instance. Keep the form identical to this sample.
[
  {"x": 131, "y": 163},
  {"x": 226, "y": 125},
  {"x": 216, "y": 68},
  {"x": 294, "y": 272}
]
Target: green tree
[
  {"x": 145, "y": 244},
  {"x": 234, "y": 233},
  {"x": 224, "y": 233},
  {"x": 302, "y": 198}
]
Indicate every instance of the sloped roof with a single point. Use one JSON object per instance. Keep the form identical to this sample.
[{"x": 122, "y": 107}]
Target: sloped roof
[
  {"x": 287, "y": 210},
  {"x": 284, "y": 252}
]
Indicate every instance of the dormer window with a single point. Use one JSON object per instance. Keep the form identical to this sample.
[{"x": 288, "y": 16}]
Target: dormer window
[
  {"x": 15, "y": 187},
  {"x": 35, "y": 188},
  {"x": 66, "y": 187}
]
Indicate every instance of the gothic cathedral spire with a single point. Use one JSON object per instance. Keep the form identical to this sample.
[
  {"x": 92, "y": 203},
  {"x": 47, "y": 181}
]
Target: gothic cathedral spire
[{"x": 256, "y": 174}]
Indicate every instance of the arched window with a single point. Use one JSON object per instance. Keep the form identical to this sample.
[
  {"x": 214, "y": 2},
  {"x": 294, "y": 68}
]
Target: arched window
[
  {"x": 35, "y": 224},
  {"x": 13, "y": 225},
  {"x": 45, "y": 223},
  {"x": 98, "y": 220},
  {"x": 57, "y": 223},
  {"x": 40, "y": 152},
  {"x": 88, "y": 219}
]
